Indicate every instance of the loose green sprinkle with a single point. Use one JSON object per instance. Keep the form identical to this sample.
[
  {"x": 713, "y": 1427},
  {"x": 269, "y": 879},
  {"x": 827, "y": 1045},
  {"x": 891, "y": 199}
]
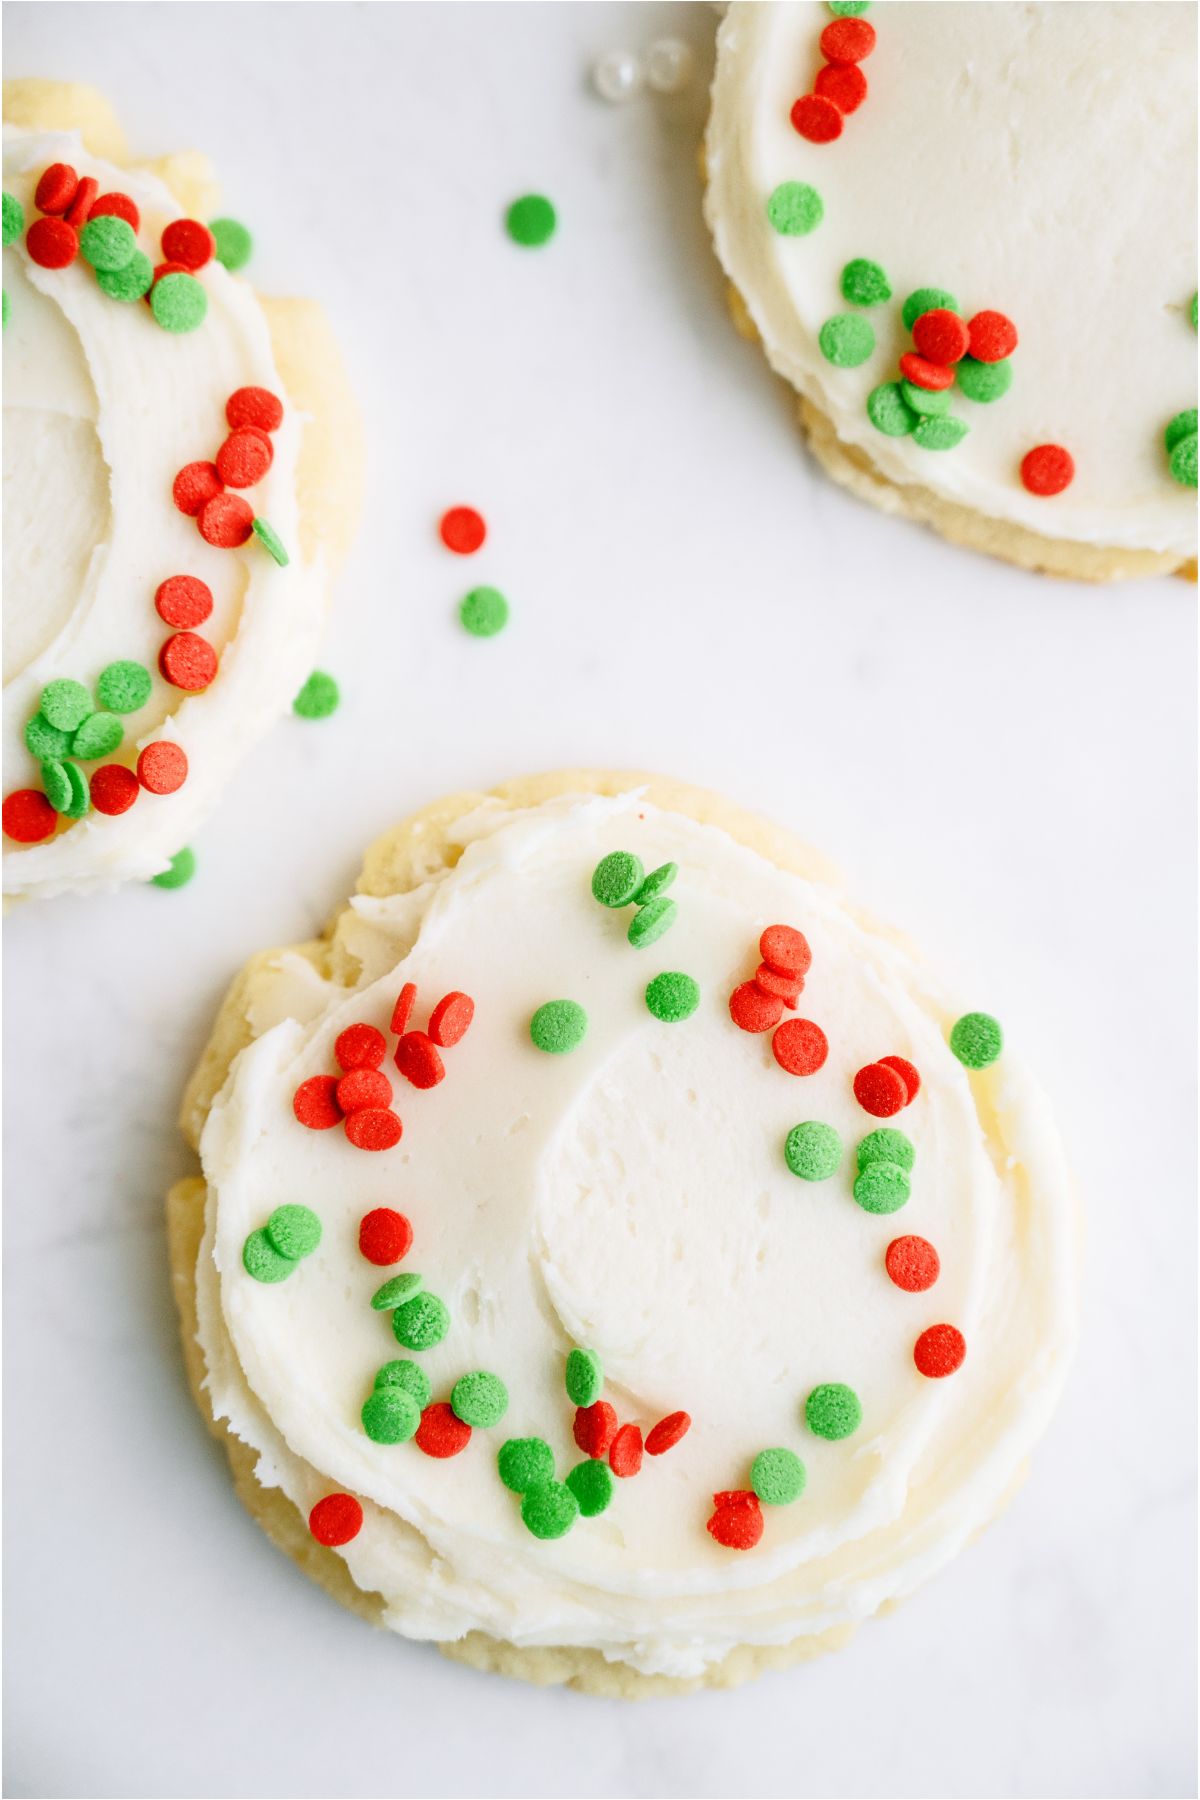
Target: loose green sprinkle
[
  {"x": 617, "y": 877},
  {"x": 833, "y": 1410},
  {"x": 14, "y": 219},
  {"x": 531, "y": 220},
  {"x": 933, "y": 433},
  {"x": 179, "y": 871},
  {"x": 99, "y": 735},
  {"x": 129, "y": 283},
  {"x": 484, "y": 612},
  {"x": 318, "y": 697},
  {"x": 390, "y": 1415},
  {"x": 846, "y": 340},
  {"x": 558, "y": 1026},
  {"x": 123, "y": 687},
  {"x": 261, "y": 1260},
  {"x": 65, "y": 704},
  {"x": 848, "y": 9},
  {"x": 977, "y": 1040},
  {"x": 108, "y": 243},
  {"x": 592, "y": 1484},
  {"x": 584, "y": 1377},
  {"x": 525, "y": 1463},
  {"x": 813, "y": 1150},
  {"x": 657, "y": 882},
  {"x": 1184, "y": 462},
  {"x": 57, "y": 785},
  {"x": 1184, "y": 424},
  {"x": 234, "y": 242},
  {"x": 178, "y": 302},
  {"x": 270, "y": 541},
  {"x": 649, "y": 922},
  {"x": 882, "y": 1187},
  {"x": 549, "y": 1511},
  {"x": 4, "y": 307},
  {"x": 81, "y": 795},
  {"x": 864, "y": 283},
  {"x": 888, "y": 412},
  {"x": 396, "y": 1291},
  {"x": 479, "y": 1399},
  {"x": 46, "y": 741},
  {"x": 421, "y": 1323},
  {"x": 984, "y": 382},
  {"x": 777, "y": 1477},
  {"x": 887, "y": 1145},
  {"x": 927, "y": 401},
  {"x": 1195, "y": 303},
  {"x": 795, "y": 209},
  {"x": 407, "y": 1375},
  {"x": 923, "y": 300},
  {"x": 293, "y": 1231},
  {"x": 673, "y": 996}
]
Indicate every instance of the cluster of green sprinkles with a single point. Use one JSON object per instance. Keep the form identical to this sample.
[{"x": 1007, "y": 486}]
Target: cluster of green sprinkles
[
  {"x": 977, "y": 1040},
  {"x": 1180, "y": 441},
  {"x": 619, "y": 880},
  {"x": 69, "y": 723},
  {"x": 318, "y": 698},
  {"x": 884, "y": 1158},
  {"x": 392, "y": 1410},
  {"x": 278, "y": 1248}
]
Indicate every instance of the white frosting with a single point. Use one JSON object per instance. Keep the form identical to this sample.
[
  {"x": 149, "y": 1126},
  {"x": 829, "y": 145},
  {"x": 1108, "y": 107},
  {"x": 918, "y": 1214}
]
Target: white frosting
[
  {"x": 633, "y": 1196},
  {"x": 1037, "y": 159},
  {"x": 101, "y": 410}
]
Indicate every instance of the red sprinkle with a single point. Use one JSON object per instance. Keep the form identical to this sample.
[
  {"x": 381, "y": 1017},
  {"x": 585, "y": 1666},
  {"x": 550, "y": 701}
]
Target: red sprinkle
[
  {"x": 752, "y": 1010},
  {"x": 462, "y": 530},
  {"x": 847, "y": 40},
  {"x": 360, "y": 1047},
  {"x": 336, "y": 1520},
  {"x": 625, "y": 1451},
  {"x": 194, "y": 486},
  {"x": 441, "y": 1431},
  {"x": 28, "y": 816},
  {"x": 51, "y": 243},
  {"x": 934, "y": 377},
  {"x": 844, "y": 84},
  {"x": 907, "y": 1073},
  {"x": 244, "y": 457},
  {"x": 993, "y": 336},
  {"x": 374, "y": 1128},
  {"x": 941, "y": 335},
  {"x": 737, "y": 1522},
  {"x": 1048, "y": 469},
  {"x": 183, "y": 601},
  {"x": 786, "y": 949},
  {"x": 384, "y": 1236},
  {"x": 667, "y": 1433},
  {"x": 403, "y": 1008},
  {"x": 595, "y": 1428},
  {"x": 189, "y": 242},
  {"x": 912, "y": 1263},
  {"x": 800, "y": 1046},
  {"x": 117, "y": 206},
  {"x": 315, "y": 1103},
  {"x": 418, "y": 1061},
  {"x": 162, "y": 767},
  {"x": 939, "y": 1351},
  {"x": 787, "y": 987},
  {"x": 187, "y": 661},
  {"x": 226, "y": 521},
  {"x": 363, "y": 1087},
  {"x": 817, "y": 119},
  {"x": 451, "y": 1018},
  {"x": 114, "y": 789},
  {"x": 81, "y": 205},
  {"x": 254, "y": 406},
  {"x": 880, "y": 1090},
  {"x": 56, "y": 188}
]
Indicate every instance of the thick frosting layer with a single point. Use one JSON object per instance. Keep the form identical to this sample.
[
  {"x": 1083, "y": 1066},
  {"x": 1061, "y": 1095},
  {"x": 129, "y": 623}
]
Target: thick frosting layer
[
  {"x": 101, "y": 409},
  {"x": 633, "y": 1197},
  {"x": 1036, "y": 159}
]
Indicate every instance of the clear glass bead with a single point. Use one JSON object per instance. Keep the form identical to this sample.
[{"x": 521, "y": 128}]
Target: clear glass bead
[
  {"x": 617, "y": 75},
  {"x": 669, "y": 65}
]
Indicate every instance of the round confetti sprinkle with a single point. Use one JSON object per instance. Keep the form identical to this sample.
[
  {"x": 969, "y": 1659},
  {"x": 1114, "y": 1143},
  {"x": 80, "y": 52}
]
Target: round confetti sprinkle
[
  {"x": 108, "y": 243},
  {"x": 888, "y": 411},
  {"x": 123, "y": 687},
  {"x": 360, "y": 1047},
  {"x": 407, "y": 1375},
  {"x": 374, "y": 1128},
  {"x": 234, "y": 244},
  {"x": 98, "y": 736},
  {"x": 558, "y": 1026},
  {"x": 51, "y": 243},
  {"x": 584, "y": 1377},
  {"x": 59, "y": 789},
  {"x": 844, "y": 84},
  {"x": 479, "y": 1399},
  {"x": 785, "y": 949},
  {"x": 976, "y": 1039},
  {"x": 939, "y": 1351},
  {"x": 114, "y": 789},
  {"x": 253, "y": 408},
  {"x": 417, "y": 1059},
  {"x": 421, "y": 1323},
  {"x": 80, "y": 803},
  {"x": 14, "y": 219},
  {"x": 753, "y": 1010},
  {"x": 666, "y": 1434},
  {"x": 800, "y": 1046},
  {"x": 441, "y": 1432},
  {"x": 795, "y": 209},
  {"x": 912, "y": 1263},
  {"x": 56, "y": 188},
  {"x": 925, "y": 400},
  {"x": 617, "y": 878},
  {"x": 525, "y": 1463},
  {"x": 923, "y": 300},
  {"x": 363, "y": 1088},
  {"x": 784, "y": 987},
  {"x": 833, "y": 1411},
  {"x": 384, "y": 1236},
  {"x": 450, "y": 1019},
  {"x": 5, "y": 309},
  {"x": 923, "y": 373},
  {"x": 65, "y": 704},
  {"x": 131, "y": 283},
  {"x": 179, "y": 870},
  {"x": 992, "y": 337},
  {"x": 195, "y": 485},
  {"x": 462, "y": 530},
  {"x": 649, "y": 922},
  {"x": 1184, "y": 462},
  {"x": 847, "y": 40},
  {"x": 318, "y": 697},
  {"x": 1195, "y": 310},
  {"x": 244, "y": 457},
  {"x": 178, "y": 302},
  {"x": 817, "y": 119},
  {"x": 315, "y": 1103},
  {"x": 886, "y": 1145},
  {"x": 908, "y": 1073},
  {"x": 269, "y": 538},
  {"x": 336, "y": 1520},
  {"x": 846, "y": 340},
  {"x": 188, "y": 242},
  {"x": 813, "y": 1150},
  {"x": 188, "y": 662},
  {"x": 864, "y": 283},
  {"x": 45, "y": 741},
  {"x": 81, "y": 204},
  {"x": 120, "y": 206},
  {"x": 403, "y": 1008},
  {"x": 162, "y": 767},
  {"x": 1047, "y": 469},
  {"x": 673, "y": 996},
  {"x": 226, "y": 521},
  {"x": 657, "y": 882},
  {"x": 777, "y": 1477},
  {"x": 737, "y": 1524},
  {"x": 261, "y": 1260},
  {"x": 625, "y": 1452},
  {"x": 984, "y": 382},
  {"x": 1184, "y": 424},
  {"x": 397, "y": 1292},
  {"x": 293, "y": 1231},
  {"x": 592, "y": 1484},
  {"x": 549, "y": 1511},
  {"x": 390, "y": 1414},
  {"x": 880, "y": 1090},
  {"x": 531, "y": 221},
  {"x": 28, "y": 816},
  {"x": 595, "y": 1428},
  {"x": 941, "y": 336},
  {"x": 940, "y": 434},
  {"x": 882, "y": 1187},
  {"x": 484, "y": 612}
]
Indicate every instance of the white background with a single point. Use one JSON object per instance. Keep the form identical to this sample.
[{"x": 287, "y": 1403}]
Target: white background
[{"x": 1002, "y": 764}]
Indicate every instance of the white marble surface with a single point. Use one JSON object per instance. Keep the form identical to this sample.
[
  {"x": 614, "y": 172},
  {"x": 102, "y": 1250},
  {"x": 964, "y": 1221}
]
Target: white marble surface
[{"x": 1004, "y": 766}]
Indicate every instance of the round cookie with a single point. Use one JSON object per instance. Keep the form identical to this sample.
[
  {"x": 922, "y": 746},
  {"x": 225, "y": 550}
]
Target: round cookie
[
  {"x": 182, "y": 477},
  {"x": 633, "y": 1197},
  {"x": 935, "y": 182}
]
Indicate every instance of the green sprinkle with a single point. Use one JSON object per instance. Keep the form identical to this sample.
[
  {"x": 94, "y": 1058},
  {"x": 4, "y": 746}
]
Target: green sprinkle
[
  {"x": 795, "y": 209},
  {"x": 657, "y": 882},
  {"x": 484, "y": 612},
  {"x": 888, "y": 412},
  {"x": 927, "y": 401},
  {"x": 396, "y": 1291},
  {"x": 558, "y": 1026},
  {"x": 673, "y": 996},
  {"x": 178, "y": 302},
  {"x": 57, "y": 784},
  {"x": 649, "y": 922},
  {"x": 108, "y": 243},
  {"x": 864, "y": 283},
  {"x": 584, "y": 1377},
  {"x": 549, "y": 1511},
  {"x": 777, "y": 1477},
  {"x": 4, "y": 307},
  {"x": 848, "y": 9},
  {"x": 318, "y": 697},
  {"x": 1195, "y": 303},
  {"x": 525, "y": 1463},
  {"x": 977, "y": 1040},
  {"x": 479, "y": 1399},
  {"x": 1184, "y": 424},
  {"x": 46, "y": 741},
  {"x": 846, "y": 340},
  {"x": 294, "y": 1231},
  {"x": 531, "y": 220},
  {"x": 130, "y": 283},
  {"x": 886, "y": 1145},
  {"x": 617, "y": 877},
  {"x": 81, "y": 795},
  {"x": 421, "y": 1322},
  {"x": 97, "y": 736},
  {"x": 234, "y": 243},
  {"x": 123, "y": 687},
  {"x": 14, "y": 219},
  {"x": 984, "y": 382},
  {"x": 179, "y": 870},
  {"x": 407, "y": 1375},
  {"x": 935, "y": 433},
  {"x": 270, "y": 541},
  {"x": 833, "y": 1410},
  {"x": 592, "y": 1484},
  {"x": 1184, "y": 462},
  {"x": 813, "y": 1151},
  {"x": 65, "y": 704},
  {"x": 261, "y": 1260},
  {"x": 923, "y": 300},
  {"x": 882, "y": 1187},
  {"x": 390, "y": 1415}
]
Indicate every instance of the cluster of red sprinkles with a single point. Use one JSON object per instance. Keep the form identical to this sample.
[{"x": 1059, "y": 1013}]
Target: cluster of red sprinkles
[
  {"x": 942, "y": 337},
  {"x": 799, "y": 1045},
  {"x": 199, "y": 489},
  {"x": 599, "y": 1434},
  {"x": 885, "y": 1087},
  {"x": 840, "y": 86}
]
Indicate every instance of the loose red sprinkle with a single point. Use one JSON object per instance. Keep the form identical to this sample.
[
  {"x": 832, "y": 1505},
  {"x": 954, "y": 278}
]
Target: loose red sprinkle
[
  {"x": 360, "y": 1047},
  {"x": 786, "y": 949},
  {"x": 189, "y": 242},
  {"x": 28, "y": 816},
  {"x": 363, "y": 1087},
  {"x": 315, "y": 1103},
  {"x": 817, "y": 119},
  {"x": 941, "y": 335},
  {"x": 880, "y": 1090},
  {"x": 667, "y": 1433},
  {"x": 595, "y": 1428},
  {"x": 450, "y": 1019},
  {"x": 847, "y": 40},
  {"x": 51, "y": 243},
  {"x": 752, "y": 1010},
  {"x": 787, "y": 987},
  {"x": 912, "y": 1263},
  {"x": 907, "y": 1072},
  {"x": 254, "y": 406},
  {"x": 226, "y": 521},
  {"x": 56, "y": 188},
  {"x": 1048, "y": 469},
  {"x": 625, "y": 1451},
  {"x": 187, "y": 661},
  {"x": 194, "y": 486},
  {"x": 924, "y": 374},
  {"x": 800, "y": 1046},
  {"x": 183, "y": 601},
  {"x": 418, "y": 1061},
  {"x": 441, "y": 1431},
  {"x": 462, "y": 530},
  {"x": 162, "y": 767},
  {"x": 403, "y": 1007},
  {"x": 336, "y": 1519},
  {"x": 993, "y": 336},
  {"x": 940, "y": 1350},
  {"x": 114, "y": 789},
  {"x": 738, "y": 1523},
  {"x": 844, "y": 84},
  {"x": 374, "y": 1128},
  {"x": 244, "y": 457},
  {"x": 384, "y": 1236},
  {"x": 118, "y": 206},
  {"x": 81, "y": 204}
]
